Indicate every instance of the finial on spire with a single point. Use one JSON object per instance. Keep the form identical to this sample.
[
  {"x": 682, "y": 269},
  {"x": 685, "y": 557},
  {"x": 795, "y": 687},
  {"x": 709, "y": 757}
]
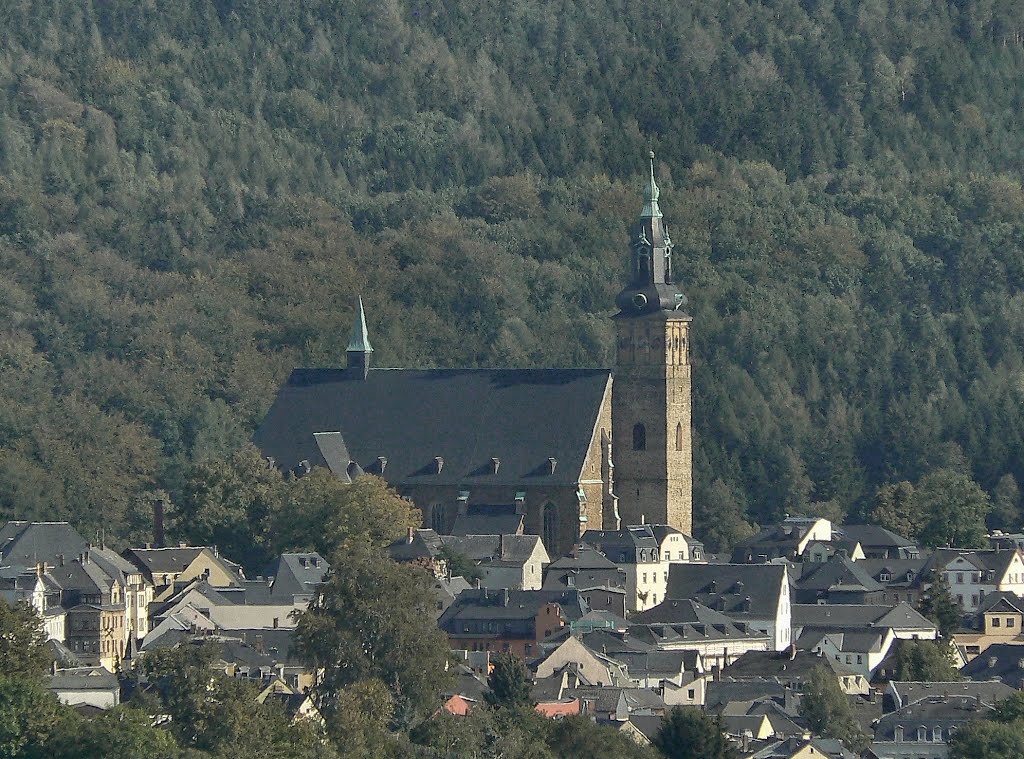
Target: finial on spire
[{"x": 651, "y": 193}]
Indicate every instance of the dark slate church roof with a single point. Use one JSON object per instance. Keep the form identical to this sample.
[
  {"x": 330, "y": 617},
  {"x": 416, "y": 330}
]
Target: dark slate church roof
[{"x": 461, "y": 418}]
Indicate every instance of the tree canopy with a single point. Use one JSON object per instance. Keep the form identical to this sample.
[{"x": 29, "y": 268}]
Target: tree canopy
[{"x": 191, "y": 199}]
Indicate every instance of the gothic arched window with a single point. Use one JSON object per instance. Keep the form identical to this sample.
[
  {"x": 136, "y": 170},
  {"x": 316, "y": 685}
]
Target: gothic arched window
[
  {"x": 639, "y": 437},
  {"x": 550, "y": 528},
  {"x": 437, "y": 518},
  {"x": 679, "y": 436}
]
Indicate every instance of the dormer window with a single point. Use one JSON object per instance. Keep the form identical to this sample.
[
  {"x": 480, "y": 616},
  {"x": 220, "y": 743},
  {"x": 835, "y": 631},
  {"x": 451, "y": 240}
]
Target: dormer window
[{"x": 884, "y": 577}]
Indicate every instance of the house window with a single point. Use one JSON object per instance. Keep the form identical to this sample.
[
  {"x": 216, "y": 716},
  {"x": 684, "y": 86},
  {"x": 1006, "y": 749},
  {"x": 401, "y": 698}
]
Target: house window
[
  {"x": 937, "y": 735},
  {"x": 884, "y": 577},
  {"x": 1011, "y": 622},
  {"x": 639, "y": 437},
  {"x": 691, "y": 694},
  {"x": 960, "y": 579},
  {"x": 922, "y": 734},
  {"x": 995, "y": 621},
  {"x": 679, "y": 436}
]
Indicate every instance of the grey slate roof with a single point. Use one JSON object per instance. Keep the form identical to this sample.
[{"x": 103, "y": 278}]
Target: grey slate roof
[
  {"x": 28, "y": 543},
  {"x": 838, "y": 570},
  {"x": 1004, "y": 661},
  {"x": 738, "y": 590},
  {"x": 663, "y": 664},
  {"x": 81, "y": 678},
  {"x": 943, "y": 712},
  {"x": 296, "y": 574},
  {"x": 873, "y": 536},
  {"x": 164, "y": 559},
  {"x": 421, "y": 544},
  {"x": 509, "y": 548},
  {"x": 720, "y": 693},
  {"x": 988, "y": 692},
  {"x": 630, "y": 545},
  {"x": 489, "y": 519},
  {"x": 786, "y": 665},
  {"x": 829, "y": 616},
  {"x": 464, "y": 416}
]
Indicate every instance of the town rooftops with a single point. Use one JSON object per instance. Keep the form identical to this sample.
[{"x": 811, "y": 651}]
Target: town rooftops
[
  {"x": 899, "y": 617},
  {"x": 987, "y": 692},
  {"x": 516, "y": 549},
  {"x": 30, "y": 543},
  {"x": 1003, "y": 661},
  {"x": 165, "y": 560},
  {"x": 442, "y": 426},
  {"x": 933, "y": 713},
  {"x": 297, "y": 574},
  {"x": 630, "y": 545},
  {"x": 738, "y": 590}
]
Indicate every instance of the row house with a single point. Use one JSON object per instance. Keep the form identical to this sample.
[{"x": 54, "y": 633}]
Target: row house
[{"x": 973, "y": 574}]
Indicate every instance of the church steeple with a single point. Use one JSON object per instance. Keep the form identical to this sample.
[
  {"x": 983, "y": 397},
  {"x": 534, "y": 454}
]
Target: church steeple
[
  {"x": 651, "y": 287},
  {"x": 359, "y": 348},
  {"x": 651, "y": 439}
]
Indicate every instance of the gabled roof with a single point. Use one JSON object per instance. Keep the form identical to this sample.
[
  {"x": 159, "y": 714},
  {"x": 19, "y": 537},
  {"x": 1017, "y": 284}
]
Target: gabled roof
[
  {"x": 934, "y": 711},
  {"x": 785, "y": 665},
  {"x": 896, "y": 569},
  {"x": 630, "y": 545},
  {"x": 837, "y": 571},
  {"x": 164, "y": 560},
  {"x": 1001, "y": 601},
  {"x": 1003, "y": 661},
  {"x": 826, "y": 616},
  {"x": 720, "y": 693},
  {"x": 874, "y": 536},
  {"x": 452, "y": 420},
  {"x": 418, "y": 544},
  {"x": 661, "y": 664},
  {"x": 993, "y": 560},
  {"x": 848, "y": 640},
  {"x": 484, "y": 604},
  {"x": 296, "y": 574},
  {"x": 29, "y": 543},
  {"x": 739, "y": 590},
  {"x": 988, "y": 692},
  {"x": 485, "y": 548}
]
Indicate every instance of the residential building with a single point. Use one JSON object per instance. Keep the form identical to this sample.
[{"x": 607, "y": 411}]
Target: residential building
[
  {"x": 757, "y": 595},
  {"x": 1001, "y": 661},
  {"x": 163, "y": 567},
  {"x": 877, "y": 542},
  {"x": 637, "y": 552},
  {"x": 973, "y": 574},
  {"x": 511, "y": 561},
  {"x": 922, "y": 729},
  {"x": 788, "y": 540},
  {"x": 515, "y": 621},
  {"x": 601, "y": 582},
  {"x": 999, "y": 619}
]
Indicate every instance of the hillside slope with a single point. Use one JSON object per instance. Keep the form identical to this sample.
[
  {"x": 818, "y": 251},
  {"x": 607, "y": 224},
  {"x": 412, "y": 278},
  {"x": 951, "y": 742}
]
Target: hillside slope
[{"x": 192, "y": 194}]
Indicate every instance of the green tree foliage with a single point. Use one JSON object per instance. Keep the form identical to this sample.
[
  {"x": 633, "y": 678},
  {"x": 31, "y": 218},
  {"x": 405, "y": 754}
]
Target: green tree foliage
[
  {"x": 28, "y": 714},
  {"x": 945, "y": 508},
  {"x": 180, "y": 227},
  {"x": 925, "y": 661},
  {"x": 509, "y": 684},
  {"x": 23, "y": 648},
  {"x": 372, "y": 620},
  {"x": 828, "y": 711},
  {"x": 219, "y": 715},
  {"x": 938, "y": 605},
  {"x": 122, "y": 731},
  {"x": 1001, "y": 735},
  {"x": 688, "y": 733}
]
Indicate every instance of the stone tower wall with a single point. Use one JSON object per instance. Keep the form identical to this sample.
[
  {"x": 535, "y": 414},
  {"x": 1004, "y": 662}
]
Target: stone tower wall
[{"x": 652, "y": 387}]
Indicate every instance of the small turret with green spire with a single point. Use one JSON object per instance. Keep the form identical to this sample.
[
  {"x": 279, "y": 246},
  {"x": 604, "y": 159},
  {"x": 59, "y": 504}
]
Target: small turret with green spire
[{"x": 359, "y": 348}]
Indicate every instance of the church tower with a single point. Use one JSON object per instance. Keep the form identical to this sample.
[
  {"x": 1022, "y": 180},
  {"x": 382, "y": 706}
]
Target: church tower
[{"x": 651, "y": 440}]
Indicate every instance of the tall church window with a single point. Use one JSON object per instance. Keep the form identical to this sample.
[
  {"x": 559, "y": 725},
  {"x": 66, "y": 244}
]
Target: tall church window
[
  {"x": 550, "y": 527},
  {"x": 639, "y": 437},
  {"x": 679, "y": 436},
  {"x": 437, "y": 518}
]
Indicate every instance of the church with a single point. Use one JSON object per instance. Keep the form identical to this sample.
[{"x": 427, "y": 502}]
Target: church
[{"x": 564, "y": 450}]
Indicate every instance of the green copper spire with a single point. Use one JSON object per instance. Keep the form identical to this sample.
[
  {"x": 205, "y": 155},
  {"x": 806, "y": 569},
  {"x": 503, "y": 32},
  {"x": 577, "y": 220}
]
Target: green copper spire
[
  {"x": 359, "y": 342},
  {"x": 651, "y": 193}
]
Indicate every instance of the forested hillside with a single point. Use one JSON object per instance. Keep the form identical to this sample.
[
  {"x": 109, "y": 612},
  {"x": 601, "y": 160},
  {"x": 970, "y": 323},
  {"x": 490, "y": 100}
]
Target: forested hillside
[{"x": 192, "y": 193}]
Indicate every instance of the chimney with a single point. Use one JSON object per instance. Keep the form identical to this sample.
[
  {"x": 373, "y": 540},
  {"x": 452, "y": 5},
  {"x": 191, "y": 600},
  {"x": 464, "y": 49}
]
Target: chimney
[
  {"x": 438, "y": 464},
  {"x": 409, "y": 532},
  {"x": 495, "y": 463},
  {"x": 158, "y": 522},
  {"x": 504, "y": 596},
  {"x": 992, "y": 661},
  {"x": 359, "y": 349},
  {"x": 552, "y": 463},
  {"x": 382, "y": 462}
]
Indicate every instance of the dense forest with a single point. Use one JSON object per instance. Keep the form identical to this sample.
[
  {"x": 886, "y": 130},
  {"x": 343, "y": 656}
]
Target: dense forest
[{"x": 193, "y": 193}]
